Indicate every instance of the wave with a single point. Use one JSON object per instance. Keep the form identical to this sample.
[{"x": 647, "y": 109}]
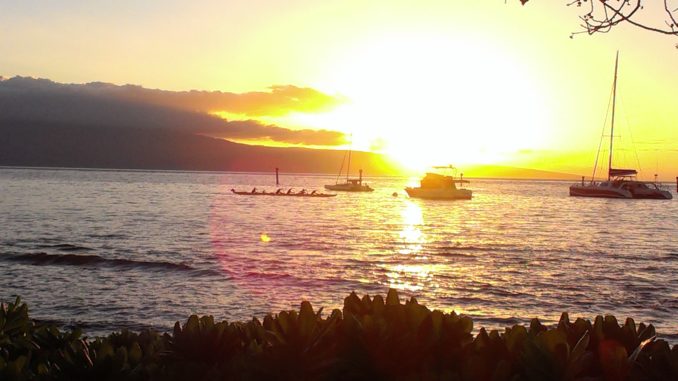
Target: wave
[
  {"x": 501, "y": 321},
  {"x": 42, "y": 259},
  {"x": 465, "y": 247},
  {"x": 47, "y": 244},
  {"x": 64, "y": 247},
  {"x": 107, "y": 236},
  {"x": 671, "y": 337},
  {"x": 101, "y": 327}
]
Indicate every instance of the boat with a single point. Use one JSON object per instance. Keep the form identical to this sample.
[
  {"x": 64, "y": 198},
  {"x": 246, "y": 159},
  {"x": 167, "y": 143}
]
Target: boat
[
  {"x": 280, "y": 193},
  {"x": 435, "y": 186},
  {"x": 349, "y": 185},
  {"x": 621, "y": 183}
]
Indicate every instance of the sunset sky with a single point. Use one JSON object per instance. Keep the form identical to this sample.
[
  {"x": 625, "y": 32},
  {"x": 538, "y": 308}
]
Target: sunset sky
[{"x": 426, "y": 82}]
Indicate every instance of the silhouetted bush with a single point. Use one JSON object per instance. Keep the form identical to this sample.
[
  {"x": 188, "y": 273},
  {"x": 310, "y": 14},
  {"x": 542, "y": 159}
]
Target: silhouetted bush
[{"x": 371, "y": 339}]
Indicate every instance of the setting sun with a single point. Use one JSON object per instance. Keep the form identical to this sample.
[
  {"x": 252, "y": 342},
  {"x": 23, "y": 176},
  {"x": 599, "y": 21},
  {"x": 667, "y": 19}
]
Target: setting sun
[{"x": 431, "y": 97}]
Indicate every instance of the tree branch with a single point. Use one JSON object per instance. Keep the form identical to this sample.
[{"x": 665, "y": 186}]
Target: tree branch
[
  {"x": 602, "y": 16},
  {"x": 627, "y": 18},
  {"x": 674, "y": 25}
]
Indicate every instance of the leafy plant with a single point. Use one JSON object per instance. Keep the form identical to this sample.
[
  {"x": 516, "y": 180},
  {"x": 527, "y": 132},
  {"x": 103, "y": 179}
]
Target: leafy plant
[{"x": 372, "y": 338}]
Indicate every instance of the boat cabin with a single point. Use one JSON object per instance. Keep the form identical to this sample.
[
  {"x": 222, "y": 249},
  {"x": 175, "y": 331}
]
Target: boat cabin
[
  {"x": 614, "y": 173},
  {"x": 434, "y": 180}
]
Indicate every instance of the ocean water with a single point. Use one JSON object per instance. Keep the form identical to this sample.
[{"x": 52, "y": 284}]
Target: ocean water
[{"x": 107, "y": 250}]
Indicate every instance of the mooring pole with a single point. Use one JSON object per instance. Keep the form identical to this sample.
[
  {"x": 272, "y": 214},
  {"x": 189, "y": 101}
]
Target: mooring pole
[
  {"x": 277, "y": 182},
  {"x": 360, "y": 179},
  {"x": 582, "y": 181}
]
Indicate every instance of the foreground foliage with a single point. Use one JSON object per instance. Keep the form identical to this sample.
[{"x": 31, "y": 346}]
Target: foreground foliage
[{"x": 370, "y": 339}]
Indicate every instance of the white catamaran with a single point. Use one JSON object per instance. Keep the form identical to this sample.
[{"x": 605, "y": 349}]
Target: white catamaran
[{"x": 621, "y": 183}]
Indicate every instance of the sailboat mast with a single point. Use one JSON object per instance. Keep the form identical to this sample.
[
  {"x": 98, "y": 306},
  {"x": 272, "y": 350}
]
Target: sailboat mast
[
  {"x": 614, "y": 104},
  {"x": 348, "y": 168}
]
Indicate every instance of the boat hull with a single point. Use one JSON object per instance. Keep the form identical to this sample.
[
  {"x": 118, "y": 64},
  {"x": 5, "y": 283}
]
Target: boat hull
[
  {"x": 662, "y": 195},
  {"x": 349, "y": 188},
  {"x": 624, "y": 189},
  {"x": 578, "y": 190},
  {"x": 440, "y": 193},
  {"x": 641, "y": 190}
]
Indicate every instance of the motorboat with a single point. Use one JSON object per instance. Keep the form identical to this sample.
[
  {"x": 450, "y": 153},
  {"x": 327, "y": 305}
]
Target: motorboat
[
  {"x": 435, "y": 186},
  {"x": 621, "y": 183}
]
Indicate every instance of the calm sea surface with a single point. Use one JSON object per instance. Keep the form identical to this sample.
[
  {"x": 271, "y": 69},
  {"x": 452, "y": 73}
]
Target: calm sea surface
[{"x": 114, "y": 249}]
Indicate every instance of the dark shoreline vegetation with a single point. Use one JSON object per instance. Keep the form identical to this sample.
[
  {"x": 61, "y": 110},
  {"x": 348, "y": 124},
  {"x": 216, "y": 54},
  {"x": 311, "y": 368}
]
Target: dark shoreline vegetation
[{"x": 372, "y": 338}]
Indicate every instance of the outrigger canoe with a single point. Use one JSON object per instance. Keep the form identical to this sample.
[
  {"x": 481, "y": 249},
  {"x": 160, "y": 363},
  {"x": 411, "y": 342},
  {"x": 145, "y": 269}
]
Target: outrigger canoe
[{"x": 281, "y": 194}]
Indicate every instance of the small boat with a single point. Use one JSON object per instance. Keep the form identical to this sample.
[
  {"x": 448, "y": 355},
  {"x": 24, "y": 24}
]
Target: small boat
[
  {"x": 435, "y": 186},
  {"x": 350, "y": 185},
  {"x": 280, "y": 193},
  {"x": 621, "y": 183}
]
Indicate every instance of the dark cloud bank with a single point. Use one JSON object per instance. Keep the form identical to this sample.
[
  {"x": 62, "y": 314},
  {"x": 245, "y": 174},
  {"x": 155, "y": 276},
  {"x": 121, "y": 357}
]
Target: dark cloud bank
[{"x": 43, "y": 123}]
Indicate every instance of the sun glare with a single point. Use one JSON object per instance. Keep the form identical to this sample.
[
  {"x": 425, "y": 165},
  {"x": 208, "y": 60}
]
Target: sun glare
[
  {"x": 429, "y": 98},
  {"x": 435, "y": 98}
]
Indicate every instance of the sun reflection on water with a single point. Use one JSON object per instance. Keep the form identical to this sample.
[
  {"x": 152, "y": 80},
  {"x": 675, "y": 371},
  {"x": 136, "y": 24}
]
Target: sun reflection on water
[
  {"x": 411, "y": 236},
  {"x": 412, "y": 277},
  {"x": 416, "y": 273}
]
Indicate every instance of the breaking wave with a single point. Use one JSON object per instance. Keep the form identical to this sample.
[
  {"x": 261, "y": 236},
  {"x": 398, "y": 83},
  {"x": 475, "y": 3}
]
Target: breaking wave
[{"x": 43, "y": 259}]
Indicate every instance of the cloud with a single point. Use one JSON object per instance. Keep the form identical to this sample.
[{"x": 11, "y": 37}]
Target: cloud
[
  {"x": 280, "y": 100},
  {"x": 253, "y": 130},
  {"x": 95, "y": 104}
]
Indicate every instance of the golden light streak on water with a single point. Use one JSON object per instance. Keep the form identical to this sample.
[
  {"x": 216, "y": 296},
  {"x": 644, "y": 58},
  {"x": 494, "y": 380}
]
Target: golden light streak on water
[
  {"x": 411, "y": 236},
  {"x": 411, "y": 277}
]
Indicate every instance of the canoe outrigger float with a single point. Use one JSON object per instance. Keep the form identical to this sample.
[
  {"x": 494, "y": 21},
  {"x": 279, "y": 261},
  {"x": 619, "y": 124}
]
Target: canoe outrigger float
[{"x": 280, "y": 193}]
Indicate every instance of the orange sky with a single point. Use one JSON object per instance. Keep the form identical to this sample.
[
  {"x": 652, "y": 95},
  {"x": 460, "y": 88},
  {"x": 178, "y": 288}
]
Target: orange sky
[{"x": 427, "y": 82}]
